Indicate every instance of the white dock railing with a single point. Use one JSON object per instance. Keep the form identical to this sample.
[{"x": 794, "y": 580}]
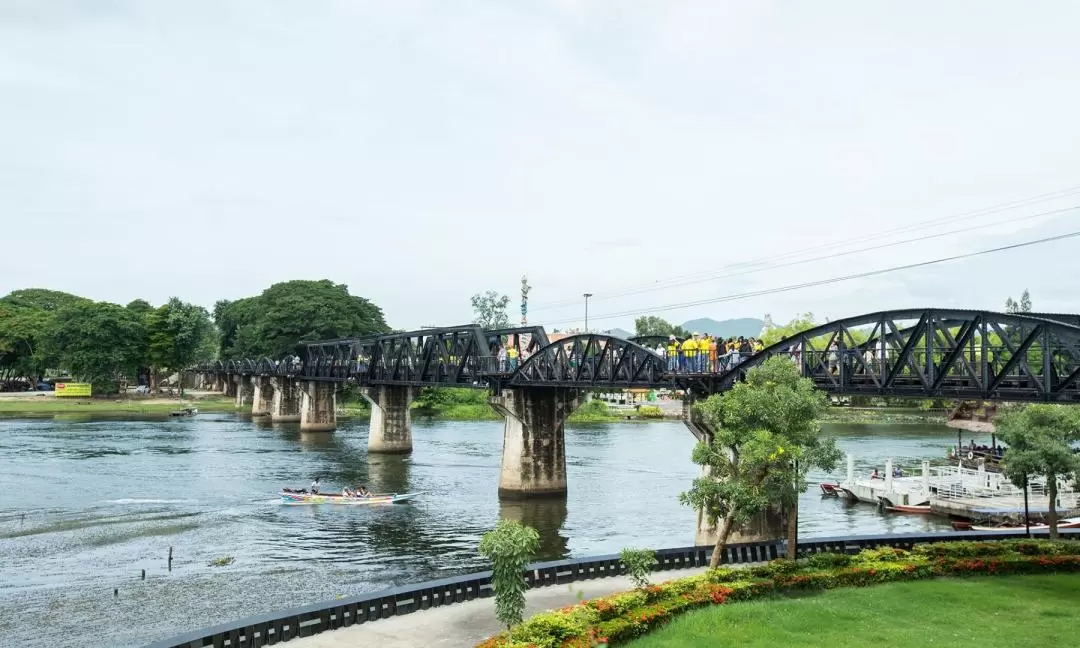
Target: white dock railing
[{"x": 958, "y": 483}]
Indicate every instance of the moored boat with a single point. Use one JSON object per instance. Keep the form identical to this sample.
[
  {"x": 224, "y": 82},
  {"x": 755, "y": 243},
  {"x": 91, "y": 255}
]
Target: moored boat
[
  {"x": 832, "y": 490},
  {"x": 921, "y": 509},
  {"x": 289, "y": 496},
  {"x": 1066, "y": 523}
]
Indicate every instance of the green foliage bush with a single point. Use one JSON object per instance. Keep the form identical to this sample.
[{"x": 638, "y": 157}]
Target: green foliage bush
[
  {"x": 509, "y": 546},
  {"x": 638, "y": 564},
  {"x": 828, "y": 560},
  {"x": 593, "y": 409},
  {"x": 622, "y": 617},
  {"x": 650, "y": 411}
]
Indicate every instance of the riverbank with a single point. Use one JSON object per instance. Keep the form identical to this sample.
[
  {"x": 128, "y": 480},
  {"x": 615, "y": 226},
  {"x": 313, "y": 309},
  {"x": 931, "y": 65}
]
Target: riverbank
[
  {"x": 47, "y": 404},
  {"x": 885, "y": 416}
]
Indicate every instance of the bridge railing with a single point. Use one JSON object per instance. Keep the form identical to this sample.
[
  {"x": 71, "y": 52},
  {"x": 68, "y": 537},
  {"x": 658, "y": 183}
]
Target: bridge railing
[{"x": 312, "y": 619}]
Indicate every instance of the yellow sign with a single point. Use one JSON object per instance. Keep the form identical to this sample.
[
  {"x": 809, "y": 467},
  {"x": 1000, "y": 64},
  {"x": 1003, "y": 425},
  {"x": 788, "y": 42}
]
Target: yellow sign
[{"x": 72, "y": 389}]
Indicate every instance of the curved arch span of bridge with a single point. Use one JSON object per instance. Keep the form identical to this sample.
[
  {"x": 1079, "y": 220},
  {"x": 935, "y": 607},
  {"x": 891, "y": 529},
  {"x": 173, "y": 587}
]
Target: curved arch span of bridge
[{"x": 929, "y": 353}]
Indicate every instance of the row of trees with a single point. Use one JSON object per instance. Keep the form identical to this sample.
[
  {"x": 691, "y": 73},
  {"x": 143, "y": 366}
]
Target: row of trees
[
  {"x": 99, "y": 342},
  {"x": 105, "y": 343}
]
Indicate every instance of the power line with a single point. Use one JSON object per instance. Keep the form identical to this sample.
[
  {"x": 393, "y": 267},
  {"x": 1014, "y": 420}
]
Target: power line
[
  {"x": 770, "y": 262},
  {"x": 834, "y": 255},
  {"x": 822, "y": 282}
]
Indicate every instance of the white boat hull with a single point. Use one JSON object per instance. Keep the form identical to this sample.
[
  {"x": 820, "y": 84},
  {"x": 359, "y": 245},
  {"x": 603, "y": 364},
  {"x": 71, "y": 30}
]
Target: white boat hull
[{"x": 339, "y": 499}]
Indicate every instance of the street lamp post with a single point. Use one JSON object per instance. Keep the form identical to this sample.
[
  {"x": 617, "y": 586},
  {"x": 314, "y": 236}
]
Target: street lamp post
[{"x": 587, "y": 295}]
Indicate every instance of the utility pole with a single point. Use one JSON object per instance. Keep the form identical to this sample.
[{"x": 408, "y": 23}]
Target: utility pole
[
  {"x": 587, "y": 295},
  {"x": 525, "y": 288}
]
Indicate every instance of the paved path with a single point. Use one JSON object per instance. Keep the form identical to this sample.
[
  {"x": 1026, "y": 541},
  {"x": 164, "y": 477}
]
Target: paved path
[{"x": 467, "y": 624}]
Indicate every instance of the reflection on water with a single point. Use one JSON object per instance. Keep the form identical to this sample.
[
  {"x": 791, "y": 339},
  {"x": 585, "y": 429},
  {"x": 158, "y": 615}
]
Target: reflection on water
[
  {"x": 110, "y": 497},
  {"x": 547, "y": 516}
]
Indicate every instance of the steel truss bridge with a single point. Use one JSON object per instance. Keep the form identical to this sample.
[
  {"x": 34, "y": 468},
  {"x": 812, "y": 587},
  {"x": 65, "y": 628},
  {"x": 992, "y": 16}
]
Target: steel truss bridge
[{"x": 927, "y": 353}]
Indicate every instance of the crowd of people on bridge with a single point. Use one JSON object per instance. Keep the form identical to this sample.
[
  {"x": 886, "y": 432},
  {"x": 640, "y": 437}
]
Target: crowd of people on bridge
[{"x": 706, "y": 353}]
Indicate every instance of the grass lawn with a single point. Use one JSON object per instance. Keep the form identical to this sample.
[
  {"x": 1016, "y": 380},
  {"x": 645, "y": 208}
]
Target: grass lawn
[{"x": 988, "y": 612}]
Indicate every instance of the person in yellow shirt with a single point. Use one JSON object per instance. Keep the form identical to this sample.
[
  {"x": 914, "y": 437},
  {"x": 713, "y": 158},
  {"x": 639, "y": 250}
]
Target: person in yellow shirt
[
  {"x": 689, "y": 353},
  {"x": 672, "y": 354}
]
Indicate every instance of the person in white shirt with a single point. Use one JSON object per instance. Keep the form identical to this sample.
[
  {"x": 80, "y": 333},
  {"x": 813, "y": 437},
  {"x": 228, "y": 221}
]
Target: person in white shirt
[{"x": 315, "y": 486}]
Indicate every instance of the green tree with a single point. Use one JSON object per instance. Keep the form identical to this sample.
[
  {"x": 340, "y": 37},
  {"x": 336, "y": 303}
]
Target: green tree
[
  {"x": 765, "y": 438},
  {"x": 272, "y": 323},
  {"x": 509, "y": 546},
  {"x": 25, "y": 317},
  {"x": 489, "y": 310},
  {"x": 799, "y": 324},
  {"x": 178, "y": 332},
  {"x": 140, "y": 308},
  {"x": 236, "y": 322},
  {"x": 42, "y": 299},
  {"x": 1039, "y": 439},
  {"x": 653, "y": 325},
  {"x": 98, "y": 343},
  {"x": 21, "y": 329},
  {"x": 1022, "y": 306}
]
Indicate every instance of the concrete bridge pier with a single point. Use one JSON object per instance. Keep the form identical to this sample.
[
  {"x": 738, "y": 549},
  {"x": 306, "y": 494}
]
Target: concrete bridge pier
[
  {"x": 534, "y": 444},
  {"x": 229, "y": 386},
  {"x": 245, "y": 391},
  {"x": 390, "y": 429},
  {"x": 318, "y": 406},
  {"x": 770, "y": 525},
  {"x": 263, "y": 400},
  {"x": 285, "y": 408}
]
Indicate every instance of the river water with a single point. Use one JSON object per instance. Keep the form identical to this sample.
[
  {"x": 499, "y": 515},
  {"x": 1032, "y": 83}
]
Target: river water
[{"x": 85, "y": 505}]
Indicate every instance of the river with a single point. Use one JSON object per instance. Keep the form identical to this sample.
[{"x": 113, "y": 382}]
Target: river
[{"x": 85, "y": 505}]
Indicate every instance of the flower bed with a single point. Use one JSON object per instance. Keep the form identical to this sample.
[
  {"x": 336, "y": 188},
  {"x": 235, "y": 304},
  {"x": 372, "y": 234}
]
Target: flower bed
[{"x": 619, "y": 618}]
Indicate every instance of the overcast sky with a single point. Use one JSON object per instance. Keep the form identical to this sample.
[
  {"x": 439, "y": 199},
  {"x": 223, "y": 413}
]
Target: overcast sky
[{"x": 421, "y": 152}]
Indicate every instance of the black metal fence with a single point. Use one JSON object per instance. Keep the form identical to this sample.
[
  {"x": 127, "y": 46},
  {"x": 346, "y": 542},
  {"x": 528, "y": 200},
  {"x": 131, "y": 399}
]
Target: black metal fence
[{"x": 275, "y": 627}]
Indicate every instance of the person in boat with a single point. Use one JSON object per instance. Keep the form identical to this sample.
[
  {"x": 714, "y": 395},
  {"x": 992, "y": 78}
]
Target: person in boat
[
  {"x": 361, "y": 491},
  {"x": 347, "y": 492},
  {"x": 315, "y": 486}
]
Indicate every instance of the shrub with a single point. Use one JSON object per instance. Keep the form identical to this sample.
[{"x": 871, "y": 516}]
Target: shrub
[
  {"x": 882, "y": 554},
  {"x": 593, "y": 409},
  {"x": 509, "y": 546},
  {"x": 828, "y": 560},
  {"x": 638, "y": 564},
  {"x": 775, "y": 567},
  {"x": 650, "y": 411}
]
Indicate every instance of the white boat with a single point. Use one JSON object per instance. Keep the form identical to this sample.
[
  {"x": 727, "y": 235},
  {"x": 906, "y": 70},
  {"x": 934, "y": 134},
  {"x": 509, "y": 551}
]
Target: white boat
[
  {"x": 304, "y": 497},
  {"x": 1065, "y": 523}
]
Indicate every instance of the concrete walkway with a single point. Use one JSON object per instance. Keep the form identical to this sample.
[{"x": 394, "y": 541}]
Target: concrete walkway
[{"x": 467, "y": 624}]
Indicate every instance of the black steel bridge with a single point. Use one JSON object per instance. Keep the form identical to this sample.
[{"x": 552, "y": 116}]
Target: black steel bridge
[{"x": 928, "y": 353}]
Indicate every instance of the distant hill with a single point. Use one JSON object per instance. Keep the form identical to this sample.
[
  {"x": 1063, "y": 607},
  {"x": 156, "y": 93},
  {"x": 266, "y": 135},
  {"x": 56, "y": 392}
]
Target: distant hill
[
  {"x": 620, "y": 333},
  {"x": 745, "y": 326}
]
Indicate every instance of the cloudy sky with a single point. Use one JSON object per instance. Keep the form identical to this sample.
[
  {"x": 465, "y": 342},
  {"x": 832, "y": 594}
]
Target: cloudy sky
[{"x": 651, "y": 153}]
